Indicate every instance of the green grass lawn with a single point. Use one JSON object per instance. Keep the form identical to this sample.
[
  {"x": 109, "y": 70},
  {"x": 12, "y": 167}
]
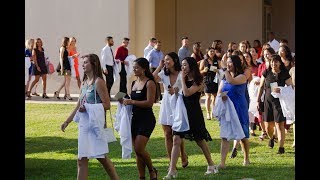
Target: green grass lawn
[{"x": 52, "y": 154}]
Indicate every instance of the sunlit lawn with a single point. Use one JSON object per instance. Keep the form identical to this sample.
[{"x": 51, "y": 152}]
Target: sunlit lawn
[{"x": 52, "y": 154}]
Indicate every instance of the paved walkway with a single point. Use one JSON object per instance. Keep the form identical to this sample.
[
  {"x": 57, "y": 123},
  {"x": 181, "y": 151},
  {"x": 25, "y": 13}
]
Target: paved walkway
[{"x": 75, "y": 97}]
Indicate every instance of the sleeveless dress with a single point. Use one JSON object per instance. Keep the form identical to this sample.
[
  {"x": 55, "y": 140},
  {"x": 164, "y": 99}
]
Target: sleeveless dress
[
  {"x": 66, "y": 63},
  {"x": 143, "y": 120},
  {"x": 41, "y": 63},
  {"x": 209, "y": 85},
  {"x": 168, "y": 102},
  {"x": 75, "y": 62},
  {"x": 236, "y": 93},
  {"x": 87, "y": 141},
  {"x": 198, "y": 129}
]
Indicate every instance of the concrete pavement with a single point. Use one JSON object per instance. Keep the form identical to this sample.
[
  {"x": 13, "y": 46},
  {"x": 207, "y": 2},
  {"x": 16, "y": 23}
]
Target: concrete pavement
[{"x": 75, "y": 97}]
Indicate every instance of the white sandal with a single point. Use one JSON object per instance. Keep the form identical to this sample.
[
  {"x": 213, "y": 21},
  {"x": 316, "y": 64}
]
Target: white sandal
[{"x": 211, "y": 169}]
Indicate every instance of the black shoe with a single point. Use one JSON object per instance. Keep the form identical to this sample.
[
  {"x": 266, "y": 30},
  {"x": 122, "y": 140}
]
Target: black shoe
[
  {"x": 281, "y": 150},
  {"x": 155, "y": 171},
  {"x": 234, "y": 153},
  {"x": 271, "y": 143}
]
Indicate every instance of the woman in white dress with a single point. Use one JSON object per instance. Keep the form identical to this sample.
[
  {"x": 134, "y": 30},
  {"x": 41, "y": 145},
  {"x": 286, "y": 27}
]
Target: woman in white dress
[
  {"x": 169, "y": 74},
  {"x": 94, "y": 94}
]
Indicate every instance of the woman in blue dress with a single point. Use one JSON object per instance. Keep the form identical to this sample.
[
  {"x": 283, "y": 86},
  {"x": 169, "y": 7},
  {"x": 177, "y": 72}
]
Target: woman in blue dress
[{"x": 234, "y": 83}]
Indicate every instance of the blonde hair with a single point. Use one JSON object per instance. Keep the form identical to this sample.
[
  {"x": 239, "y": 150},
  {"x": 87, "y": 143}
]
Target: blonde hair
[
  {"x": 29, "y": 43},
  {"x": 70, "y": 40}
]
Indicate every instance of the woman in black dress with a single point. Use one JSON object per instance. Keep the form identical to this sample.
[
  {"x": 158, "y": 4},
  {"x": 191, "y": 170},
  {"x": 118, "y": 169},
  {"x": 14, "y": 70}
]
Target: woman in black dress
[
  {"x": 273, "y": 116},
  {"x": 40, "y": 69},
  {"x": 191, "y": 88},
  {"x": 208, "y": 68},
  {"x": 65, "y": 70},
  {"x": 143, "y": 95}
]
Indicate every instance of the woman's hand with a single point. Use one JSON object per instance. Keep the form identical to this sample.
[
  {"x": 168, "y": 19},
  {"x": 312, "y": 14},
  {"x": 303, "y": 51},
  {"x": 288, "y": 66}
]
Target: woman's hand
[
  {"x": 127, "y": 101},
  {"x": 276, "y": 90},
  {"x": 224, "y": 98},
  {"x": 170, "y": 90},
  {"x": 82, "y": 108},
  {"x": 64, "y": 125},
  {"x": 176, "y": 90}
]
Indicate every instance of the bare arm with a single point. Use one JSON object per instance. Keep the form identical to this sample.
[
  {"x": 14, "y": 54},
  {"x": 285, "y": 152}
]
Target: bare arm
[
  {"x": 260, "y": 89},
  {"x": 151, "y": 91},
  {"x": 191, "y": 90},
  {"x": 62, "y": 49},
  {"x": 103, "y": 93},
  {"x": 203, "y": 70},
  {"x": 159, "y": 68},
  {"x": 71, "y": 116},
  {"x": 240, "y": 79},
  {"x": 34, "y": 58},
  {"x": 248, "y": 74}
]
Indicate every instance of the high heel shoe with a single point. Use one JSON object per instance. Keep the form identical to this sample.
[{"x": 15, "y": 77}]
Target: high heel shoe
[
  {"x": 211, "y": 170},
  {"x": 68, "y": 97},
  {"x": 35, "y": 94},
  {"x": 56, "y": 95},
  {"x": 155, "y": 171},
  {"x": 234, "y": 153},
  {"x": 44, "y": 95},
  {"x": 28, "y": 95},
  {"x": 171, "y": 175},
  {"x": 184, "y": 165}
]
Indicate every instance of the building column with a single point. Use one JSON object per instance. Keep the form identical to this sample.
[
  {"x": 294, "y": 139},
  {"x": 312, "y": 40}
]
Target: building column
[{"x": 141, "y": 24}]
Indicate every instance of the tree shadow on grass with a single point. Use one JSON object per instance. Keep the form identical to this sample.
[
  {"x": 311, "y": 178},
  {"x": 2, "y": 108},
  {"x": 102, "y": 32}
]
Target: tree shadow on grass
[{"x": 67, "y": 169}]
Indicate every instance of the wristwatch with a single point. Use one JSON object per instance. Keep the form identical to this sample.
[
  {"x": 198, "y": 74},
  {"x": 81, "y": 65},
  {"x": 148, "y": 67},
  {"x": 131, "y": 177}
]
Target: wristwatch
[{"x": 224, "y": 69}]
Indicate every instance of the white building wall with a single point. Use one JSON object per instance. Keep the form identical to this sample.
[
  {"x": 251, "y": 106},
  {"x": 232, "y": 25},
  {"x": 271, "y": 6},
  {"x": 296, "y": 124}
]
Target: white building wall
[{"x": 90, "y": 22}]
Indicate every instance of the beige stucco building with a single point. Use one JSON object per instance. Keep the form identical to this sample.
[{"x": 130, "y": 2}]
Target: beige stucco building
[{"x": 167, "y": 20}]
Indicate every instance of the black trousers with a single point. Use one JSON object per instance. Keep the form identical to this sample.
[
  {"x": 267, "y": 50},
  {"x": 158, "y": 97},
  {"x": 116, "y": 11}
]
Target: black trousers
[
  {"x": 109, "y": 78},
  {"x": 123, "y": 79}
]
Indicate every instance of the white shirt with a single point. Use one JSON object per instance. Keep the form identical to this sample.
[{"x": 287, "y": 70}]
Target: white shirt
[
  {"x": 275, "y": 45},
  {"x": 106, "y": 57},
  {"x": 147, "y": 50}
]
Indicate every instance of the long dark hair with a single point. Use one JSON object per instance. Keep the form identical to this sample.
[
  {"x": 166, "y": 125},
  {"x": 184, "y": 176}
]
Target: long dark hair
[
  {"x": 238, "y": 67},
  {"x": 177, "y": 65},
  {"x": 144, "y": 64},
  {"x": 96, "y": 66},
  {"x": 194, "y": 68}
]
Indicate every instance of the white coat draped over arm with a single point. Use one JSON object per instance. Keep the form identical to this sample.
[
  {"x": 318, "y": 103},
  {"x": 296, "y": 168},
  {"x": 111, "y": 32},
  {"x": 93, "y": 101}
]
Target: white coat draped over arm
[
  {"x": 230, "y": 127},
  {"x": 123, "y": 127},
  {"x": 92, "y": 140}
]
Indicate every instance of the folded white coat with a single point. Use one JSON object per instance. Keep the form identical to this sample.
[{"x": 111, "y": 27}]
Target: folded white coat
[
  {"x": 129, "y": 68},
  {"x": 287, "y": 101},
  {"x": 181, "y": 121},
  {"x": 92, "y": 140},
  {"x": 230, "y": 127},
  {"x": 122, "y": 125},
  {"x": 253, "y": 94}
]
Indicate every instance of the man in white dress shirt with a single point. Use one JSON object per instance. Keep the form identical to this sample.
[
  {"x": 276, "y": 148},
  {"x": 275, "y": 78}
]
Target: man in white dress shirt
[
  {"x": 107, "y": 62},
  {"x": 150, "y": 46},
  {"x": 273, "y": 42}
]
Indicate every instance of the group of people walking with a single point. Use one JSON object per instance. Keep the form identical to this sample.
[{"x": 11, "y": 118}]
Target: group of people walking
[{"x": 222, "y": 76}]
